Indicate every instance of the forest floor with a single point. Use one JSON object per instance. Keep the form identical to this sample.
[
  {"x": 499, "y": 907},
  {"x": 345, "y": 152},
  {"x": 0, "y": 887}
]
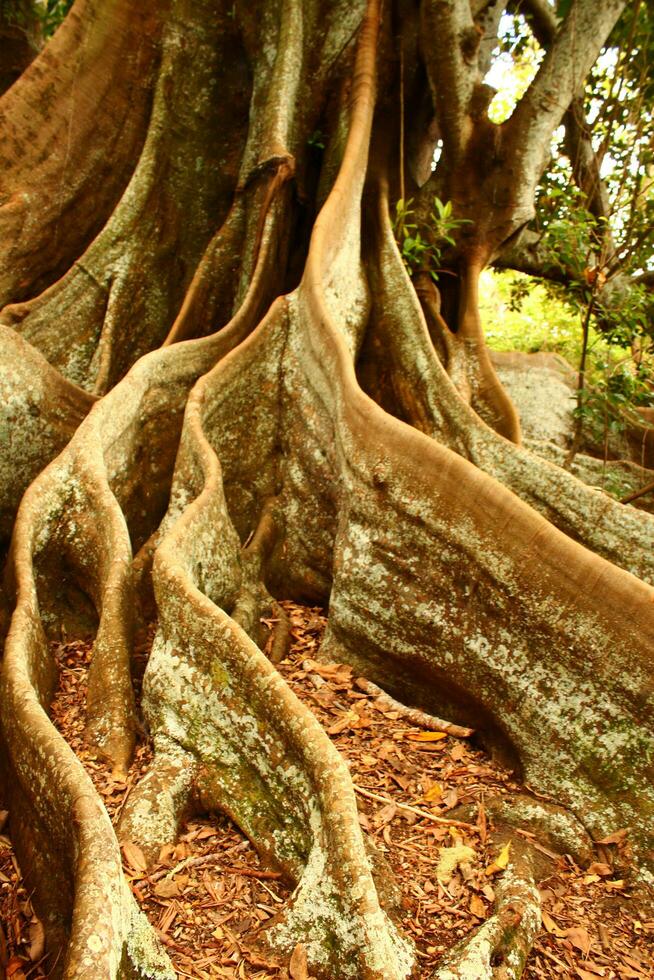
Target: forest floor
[{"x": 209, "y": 892}]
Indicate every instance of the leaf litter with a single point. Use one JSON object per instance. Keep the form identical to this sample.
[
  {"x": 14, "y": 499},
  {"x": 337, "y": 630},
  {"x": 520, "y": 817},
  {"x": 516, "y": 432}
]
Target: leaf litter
[{"x": 209, "y": 892}]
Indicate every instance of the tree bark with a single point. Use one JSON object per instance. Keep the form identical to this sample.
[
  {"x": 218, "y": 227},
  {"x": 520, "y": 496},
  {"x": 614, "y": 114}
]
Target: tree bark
[{"x": 250, "y": 401}]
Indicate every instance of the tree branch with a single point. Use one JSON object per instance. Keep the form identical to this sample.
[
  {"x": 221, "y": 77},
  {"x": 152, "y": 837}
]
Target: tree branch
[
  {"x": 578, "y": 145},
  {"x": 527, "y": 254},
  {"x": 572, "y": 53},
  {"x": 487, "y": 15},
  {"x": 449, "y": 43}
]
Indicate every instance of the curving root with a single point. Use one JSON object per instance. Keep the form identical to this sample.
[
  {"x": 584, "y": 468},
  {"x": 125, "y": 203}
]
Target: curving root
[{"x": 498, "y": 950}]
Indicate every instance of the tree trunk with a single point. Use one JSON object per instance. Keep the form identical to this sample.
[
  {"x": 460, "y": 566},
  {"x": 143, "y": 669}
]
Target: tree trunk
[{"x": 245, "y": 393}]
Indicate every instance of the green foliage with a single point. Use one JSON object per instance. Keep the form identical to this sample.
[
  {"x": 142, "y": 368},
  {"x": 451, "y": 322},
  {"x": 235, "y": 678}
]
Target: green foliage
[
  {"x": 516, "y": 62},
  {"x": 422, "y": 243},
  {"x": 48, "y": 14},
  {"x": 523, "y": 314},
  {"x": 608, "y": 403},
  {"x": 51, "y": 14},
  {"x": 520, "y": 314},
  {"x": 317, "y": 140}
]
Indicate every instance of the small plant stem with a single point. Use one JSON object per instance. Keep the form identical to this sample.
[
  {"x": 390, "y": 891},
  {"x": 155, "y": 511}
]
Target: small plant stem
[
  {"x": 579, "y": 421},
  {"x": 637, "y": 493},
  {"x": 402, "y": 120}
]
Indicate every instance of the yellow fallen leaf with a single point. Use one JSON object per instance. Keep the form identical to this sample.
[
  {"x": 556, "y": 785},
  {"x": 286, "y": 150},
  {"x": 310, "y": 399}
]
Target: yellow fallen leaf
[
  {"x": 426, "y": 736},
  {"x": 501, "y": 861},
  {"x": 551, "y": 925},
  {"x": 433, "y": 793}
]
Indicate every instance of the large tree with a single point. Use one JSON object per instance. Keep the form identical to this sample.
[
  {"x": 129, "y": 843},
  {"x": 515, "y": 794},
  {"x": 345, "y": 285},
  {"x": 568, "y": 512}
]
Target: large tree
[{"x": 210, "y": 335}]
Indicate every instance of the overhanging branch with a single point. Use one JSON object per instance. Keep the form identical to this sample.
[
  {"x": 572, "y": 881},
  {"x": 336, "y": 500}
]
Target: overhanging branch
[{"x": 571, "y": 55}]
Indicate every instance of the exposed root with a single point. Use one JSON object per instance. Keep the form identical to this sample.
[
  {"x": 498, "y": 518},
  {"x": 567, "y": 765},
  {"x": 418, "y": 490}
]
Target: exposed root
[
  {"x": 488, "y": 398},
  {"x": 498, "y": 950},
  {"x": 423, "y": 394},
  {"x": 255, "y": 746},
  {"x": 39, "y": 413}
]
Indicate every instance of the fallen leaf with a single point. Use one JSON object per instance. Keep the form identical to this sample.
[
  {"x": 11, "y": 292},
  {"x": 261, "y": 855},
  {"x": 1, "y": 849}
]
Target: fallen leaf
[
  {"x": 385, "y": 815},
  {"x": 615, "y": 838},
  {"x": 425, "y": 736},
  {"x": 489, "y": 892},
  {"x": 15, "y": 968},
  {"x": 134, "y": 856},
  {"x": 477, "y": 907},
  {"x": 501, "y": 861},
  {"x": 551, "y": 925},
  {"x": 433, "y": 793},
  {"x": 166, "y": 888},
  {"x": 595, "y": 968},
  {"x": 599, "y": 868},
  {"x": 205, "y": 832},
  {"x": 298, "y": 967},
  {"x": 579, "y": 938}
]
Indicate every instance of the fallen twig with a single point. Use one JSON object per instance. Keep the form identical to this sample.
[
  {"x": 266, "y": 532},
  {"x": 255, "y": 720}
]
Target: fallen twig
[
  {"x": 637, "y": 493},
  {"x": 413, "y": 809},
  {"x": 415, "y": 715}
]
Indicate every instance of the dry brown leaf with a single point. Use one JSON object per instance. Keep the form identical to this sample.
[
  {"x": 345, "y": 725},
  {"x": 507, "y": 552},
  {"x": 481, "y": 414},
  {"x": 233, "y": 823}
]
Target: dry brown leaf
[
  {"x": 477, "y": 907},
  {"x": 15, "y": 968},
  {"x": 489, "y": 893},
  {"x": 578, "y": 936},
  {"x": 551, "y": 925},
  {"x": 298, "y": 967},
  {"x": 166, "y": 888},
  {"x": 617, "y": 837},
  {"x": 134, "y": 856},
  {"x": 595, "y": 968},
  {"x": 599, "y": 868}
]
